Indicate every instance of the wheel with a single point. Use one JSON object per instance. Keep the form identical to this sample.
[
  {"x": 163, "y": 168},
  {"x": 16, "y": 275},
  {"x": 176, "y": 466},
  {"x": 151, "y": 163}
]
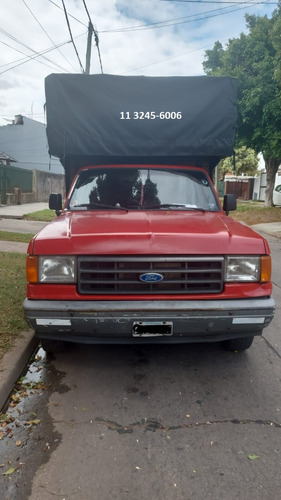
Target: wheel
[
  {"x": 50, "y": 346},
  {"x": 238, "y": 344}
]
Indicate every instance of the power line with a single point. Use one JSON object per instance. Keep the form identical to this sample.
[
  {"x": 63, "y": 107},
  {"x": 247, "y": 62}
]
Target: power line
[
  {"x": 167, "y": 59},
  {"x": 8, "y": 35},
  {"x": 73, "y": 43},
  {"x": 186, "y": 19},
  {"x": 20, "y": 141},
  {"x": 43, "y": 29},
  {"x": 69, "y": 15},
  {"x": 91, "y": 27},
  {"x": 29, "y": 58},
  {"x": 222, "y": 1},
  {"x": 86, "y": 9},
  {"x": 39, "y": 163},
  {"x": 182, "y": 20}
]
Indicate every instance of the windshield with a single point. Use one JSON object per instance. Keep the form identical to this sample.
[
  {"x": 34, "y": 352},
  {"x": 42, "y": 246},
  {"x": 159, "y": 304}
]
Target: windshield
[{"x": 143, "y": 188}]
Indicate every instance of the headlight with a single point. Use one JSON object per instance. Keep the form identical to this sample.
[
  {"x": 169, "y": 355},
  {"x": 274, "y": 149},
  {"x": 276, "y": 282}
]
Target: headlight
[
  {"x": 245, "y": 268},
  {"x": 57, "y": 269}
]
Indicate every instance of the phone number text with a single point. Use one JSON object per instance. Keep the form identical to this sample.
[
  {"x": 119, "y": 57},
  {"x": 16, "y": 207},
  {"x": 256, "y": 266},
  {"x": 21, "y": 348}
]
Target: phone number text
[{"x": 150, "y": 115}]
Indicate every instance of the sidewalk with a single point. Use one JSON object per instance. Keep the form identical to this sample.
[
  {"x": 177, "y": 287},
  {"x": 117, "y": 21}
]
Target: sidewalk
[
  {"x": 18, "y": 211},
  {"x": 21, "y": 225},
  {"x": 14, "y": 361},
  {"x": 271, "y": 228},
  {"x": 13, "y": 246},
  {"x": 11, "y": 220}
]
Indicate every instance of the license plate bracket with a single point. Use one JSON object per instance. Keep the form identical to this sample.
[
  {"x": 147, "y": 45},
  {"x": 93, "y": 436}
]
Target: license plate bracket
[{"x": 152, "y": 328}]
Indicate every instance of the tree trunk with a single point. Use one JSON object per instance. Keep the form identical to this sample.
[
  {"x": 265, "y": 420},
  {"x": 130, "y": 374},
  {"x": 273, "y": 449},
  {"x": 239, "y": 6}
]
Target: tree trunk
[{"x": 271, "y": 167}]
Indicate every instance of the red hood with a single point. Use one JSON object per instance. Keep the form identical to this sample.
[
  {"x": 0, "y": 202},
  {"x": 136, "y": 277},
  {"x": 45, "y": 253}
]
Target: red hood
[{"x": 147, "y": 233}]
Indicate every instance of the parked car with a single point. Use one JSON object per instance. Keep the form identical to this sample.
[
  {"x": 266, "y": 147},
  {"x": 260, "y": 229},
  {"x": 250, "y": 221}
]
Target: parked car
[{"x": 277, "y": 192}]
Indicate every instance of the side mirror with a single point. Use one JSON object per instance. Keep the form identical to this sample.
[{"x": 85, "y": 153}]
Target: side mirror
[
  {"x": 229, "y": 203},
  {"x": 55, "y": 203}
]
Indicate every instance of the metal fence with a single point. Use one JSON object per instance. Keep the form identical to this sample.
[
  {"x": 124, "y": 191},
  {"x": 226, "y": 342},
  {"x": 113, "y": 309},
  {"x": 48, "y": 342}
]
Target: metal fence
[{"x": 14, "y": 177}]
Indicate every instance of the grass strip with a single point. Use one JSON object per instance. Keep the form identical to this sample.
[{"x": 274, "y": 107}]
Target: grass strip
[
  {"x": 42, "y": 215},
  {"x": 254, "y": 213},
  {"x": 12, "y": 294},
  {"x": 18, "y": 237}
]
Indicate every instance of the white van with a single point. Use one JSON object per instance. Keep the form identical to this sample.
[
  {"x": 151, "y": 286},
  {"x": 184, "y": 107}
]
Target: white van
[{"x": 277, "y": 190}]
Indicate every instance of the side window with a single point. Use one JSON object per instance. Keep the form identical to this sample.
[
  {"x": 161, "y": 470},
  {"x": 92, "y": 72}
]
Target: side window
[{"x": 278, "y": 188}]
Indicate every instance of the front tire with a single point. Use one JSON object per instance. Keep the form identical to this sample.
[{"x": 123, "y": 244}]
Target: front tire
[{"x": 238, "y": 345}]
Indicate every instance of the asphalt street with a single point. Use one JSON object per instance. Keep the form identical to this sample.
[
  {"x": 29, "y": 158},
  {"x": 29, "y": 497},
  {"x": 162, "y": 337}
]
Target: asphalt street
[{"x": 138, "y": 422}]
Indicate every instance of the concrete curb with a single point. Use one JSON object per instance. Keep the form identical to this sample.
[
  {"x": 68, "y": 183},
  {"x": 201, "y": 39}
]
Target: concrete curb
[{"x": 13, "y": 363}]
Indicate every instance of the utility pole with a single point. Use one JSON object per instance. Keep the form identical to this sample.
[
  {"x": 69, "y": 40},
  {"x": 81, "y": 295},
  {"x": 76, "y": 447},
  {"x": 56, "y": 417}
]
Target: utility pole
[{"x": 89, "y": 47}]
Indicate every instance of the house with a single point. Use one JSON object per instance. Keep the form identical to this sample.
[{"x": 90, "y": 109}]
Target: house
[
  {"x": 25, "y": 141},
  {"x": 240, "y": 185},
  {"x": 251, "y": 188},
  {"x": 6, "y": 159},
  {"x": 35, "y": 176}
]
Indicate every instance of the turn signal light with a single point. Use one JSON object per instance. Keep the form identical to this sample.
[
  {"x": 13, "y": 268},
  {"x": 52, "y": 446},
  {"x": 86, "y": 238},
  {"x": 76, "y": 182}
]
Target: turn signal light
[
  {"x": 265, "y": 269},
  {"x": 32, "y": 269}
]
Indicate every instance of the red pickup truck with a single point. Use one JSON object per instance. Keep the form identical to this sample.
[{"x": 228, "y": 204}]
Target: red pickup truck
[{"x": 144, "y": 252}]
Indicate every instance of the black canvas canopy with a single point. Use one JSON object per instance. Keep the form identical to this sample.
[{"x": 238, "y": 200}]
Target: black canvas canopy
[{"x": 94, "y": 119}]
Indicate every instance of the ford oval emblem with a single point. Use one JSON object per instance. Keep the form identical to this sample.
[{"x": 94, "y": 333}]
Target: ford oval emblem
[{"x": 151, "y": 277}]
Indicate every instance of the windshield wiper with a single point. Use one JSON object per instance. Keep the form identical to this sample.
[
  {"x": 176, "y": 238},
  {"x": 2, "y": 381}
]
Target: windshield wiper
[
  {"x": 88, "y": 206},
  {"x": 174, "y": 206}
]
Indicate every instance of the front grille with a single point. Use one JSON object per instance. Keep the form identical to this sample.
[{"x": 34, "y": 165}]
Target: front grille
[{"x": 121, "y": 275}]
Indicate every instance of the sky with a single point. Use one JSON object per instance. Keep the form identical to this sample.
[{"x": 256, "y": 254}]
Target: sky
[{"x": 135, "y": 37}]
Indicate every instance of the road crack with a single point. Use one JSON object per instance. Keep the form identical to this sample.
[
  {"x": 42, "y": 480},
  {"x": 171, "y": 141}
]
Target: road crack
[
  {"x": 153, "y": 425},
  {"x": 270, "y": 346}
]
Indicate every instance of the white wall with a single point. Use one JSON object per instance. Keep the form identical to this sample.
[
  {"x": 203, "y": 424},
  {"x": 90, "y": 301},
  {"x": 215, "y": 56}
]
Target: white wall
[
  {"x": 27, "y": 143},
  {"x": 260, "y": 185}
]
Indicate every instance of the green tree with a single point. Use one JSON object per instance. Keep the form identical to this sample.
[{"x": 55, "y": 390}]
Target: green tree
[
  {"x": 276, "y": 40},
  {"x": 254, "y": 59},
  {"x": 246, "y": 162}
]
